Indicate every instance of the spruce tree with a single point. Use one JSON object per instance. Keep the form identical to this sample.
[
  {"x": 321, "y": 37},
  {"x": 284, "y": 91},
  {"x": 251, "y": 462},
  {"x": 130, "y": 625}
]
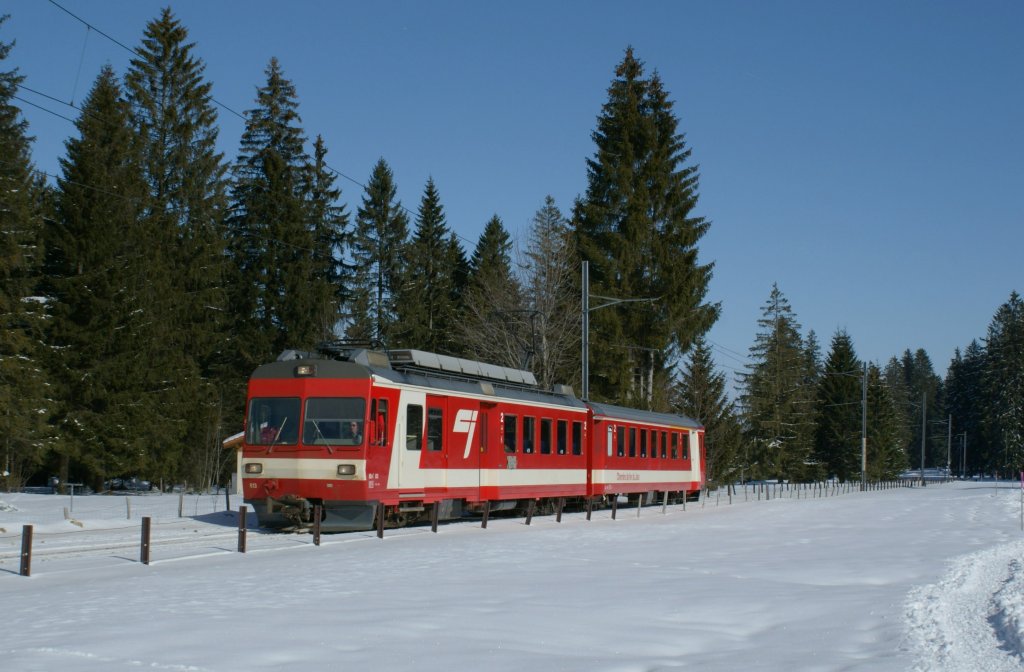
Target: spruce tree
[
  {"x": 838, "y": 431},
  {"x": 637, "y": 228},
  {"x": 285, "y": 281},
  {"x": 551, "y": 283},
  {"x": 97, "y": 276},
  {"x": 886, "y": 457},
  {"x": 378, "y": 252},
  {"x": 427, "y": 307},
  {"x": 23, "y": 378},
  {"x": 189, "y": 391},
  {"x": 778, "y": 395},
  {"x": 494, "y": 324},
  {"x": 966, "y": 399},
  {"x": 700, "y": 393},
  {"x": 1004, "y": 384},
  {"x": 329, "y": 226}
]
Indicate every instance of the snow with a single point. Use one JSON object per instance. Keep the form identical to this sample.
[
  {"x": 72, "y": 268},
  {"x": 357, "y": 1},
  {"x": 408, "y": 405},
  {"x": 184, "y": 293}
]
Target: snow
[{"x": 901, "y": 579}]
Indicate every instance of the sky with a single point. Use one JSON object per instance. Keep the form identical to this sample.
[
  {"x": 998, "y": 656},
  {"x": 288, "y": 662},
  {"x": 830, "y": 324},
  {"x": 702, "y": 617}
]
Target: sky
[
  {"x": 863, "y": 156},
  {"x": 918, "y": 579}
]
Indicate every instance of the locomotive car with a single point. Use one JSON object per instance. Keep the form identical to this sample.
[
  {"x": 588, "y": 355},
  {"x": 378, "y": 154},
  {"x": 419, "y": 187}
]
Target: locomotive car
[{"x": 363, "y": 432}]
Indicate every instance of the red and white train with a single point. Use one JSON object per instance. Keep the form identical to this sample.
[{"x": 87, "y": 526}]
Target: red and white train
[{"x": 353, "y": 430}]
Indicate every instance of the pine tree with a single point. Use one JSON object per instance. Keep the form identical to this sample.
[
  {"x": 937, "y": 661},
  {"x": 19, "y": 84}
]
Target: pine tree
[
  {"x": 700, "y": 394},
  {"x": 1004, "y": 383},
  {"x": 551, "y": 280},
  {"x": 378, "y": 252},
  {"x": 838, "y": 430},
  {"x": 636, "y": 228},
  {"x": 886, "y": 457},
  {"x": 778, "y": 395},
  {"x": 97, "y": 275},
  {"x": 189, "y": 391},
  {"x": 919, "y": 380},
  {"x": 495, "y": 326},
  {"x": 966, "y": 398},
  {"x": 427, "y": 308},
  {"x": 23, "y": 379},
  {"x": 329, "y": 226}
]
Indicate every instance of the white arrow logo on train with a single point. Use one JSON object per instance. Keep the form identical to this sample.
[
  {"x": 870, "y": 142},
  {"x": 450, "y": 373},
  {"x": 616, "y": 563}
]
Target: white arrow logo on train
[{"x": 465, "y": 421}]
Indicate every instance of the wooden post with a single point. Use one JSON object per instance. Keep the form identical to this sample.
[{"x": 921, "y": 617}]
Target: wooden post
[
  {"x": 433, "y": 516},
  {"x": 590, "y": 506},
  {"x": 558, "y": 513},
  {"x": 380, "y": 520},
  {"x": 487, "y": 512},
  {"x": 317, "y": 511},
  {"x": 242, "y": 527},
  {"x": 128, "y": 505},
  {"x": 26, "y": 550},
  {"x": 615, "y": 504},
  {"x": 529, "y": 510},
  {"x": 639, "y": 503},
  {"x": 146, "y": 528},
  {"x": 664, "y": 503},
  {"x": 227, "y": 498},
  {"x": 181, "y": 503}
]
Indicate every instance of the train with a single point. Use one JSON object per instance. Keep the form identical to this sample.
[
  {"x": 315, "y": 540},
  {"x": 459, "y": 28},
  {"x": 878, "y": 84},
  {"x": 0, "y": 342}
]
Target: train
[{"x": 366, "y": 436}]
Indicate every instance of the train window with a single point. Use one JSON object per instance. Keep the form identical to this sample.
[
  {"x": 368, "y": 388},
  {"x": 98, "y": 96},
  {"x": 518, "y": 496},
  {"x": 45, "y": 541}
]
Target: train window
[
  {"x": 334, "y": 421},
  {"x": 545, "y": 436},
  {"x": 435, "y": 428},
  {"x": 381, "y": 423},
  {"x": 675, "y": 445},
  {"x": 509, "y": 433},
  {"x": 577, "y": 439},
  {"x": 560, "y": 436},
  {"x": 621, "y": 449},
  {"x": 664, "y": 445},
  {"x": 273, "y": 421},
  {"x": 413, "y": 427},
  {"x": 643, "y": 443},
  {"x": 632, "y": 441},
  {"x": 686, "y": 446},
  {"x": 528, "y": 434}
]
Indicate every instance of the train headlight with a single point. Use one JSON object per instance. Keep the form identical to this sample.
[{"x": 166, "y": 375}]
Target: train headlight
[
  {"x": 254, "y": 468},
  {"x": 305, "y": 370},
  {"x": 346, "y": 470}
]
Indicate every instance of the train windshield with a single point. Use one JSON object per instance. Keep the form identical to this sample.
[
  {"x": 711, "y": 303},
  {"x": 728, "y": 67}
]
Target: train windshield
[
  {"x": 273, "y": 421},
  {"x": 334, "y": 421}
]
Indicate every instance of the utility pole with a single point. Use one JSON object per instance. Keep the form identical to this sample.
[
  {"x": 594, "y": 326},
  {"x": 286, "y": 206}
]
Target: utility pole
[
  {"x": 924, "y": 430},
  {"x": 864, "y": 429},
  {"x": 949, "y": 446}
]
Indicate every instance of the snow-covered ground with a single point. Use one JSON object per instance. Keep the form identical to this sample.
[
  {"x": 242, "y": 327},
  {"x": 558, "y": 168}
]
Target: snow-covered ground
[{"x": 903, "y": 579}]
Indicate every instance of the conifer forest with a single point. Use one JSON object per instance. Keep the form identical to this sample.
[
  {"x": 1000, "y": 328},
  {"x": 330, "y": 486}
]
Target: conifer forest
[{"x": 143, "y": 283}]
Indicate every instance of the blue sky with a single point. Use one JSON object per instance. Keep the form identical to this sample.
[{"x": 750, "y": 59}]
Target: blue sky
[{"x": 865, "y": 156}]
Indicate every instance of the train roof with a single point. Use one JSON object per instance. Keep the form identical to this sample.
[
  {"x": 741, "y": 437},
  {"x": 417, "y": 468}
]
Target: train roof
[
  {"x": 451, "y": 374},
  {"x": 637, "y": 415}
]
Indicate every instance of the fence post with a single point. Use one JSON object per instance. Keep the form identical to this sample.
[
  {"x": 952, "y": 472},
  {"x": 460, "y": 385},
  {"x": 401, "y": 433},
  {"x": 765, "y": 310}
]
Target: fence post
[
  {"x": 380, "y": 521},
  {"x": 26, "y": 550},
  {"x": 487, "y": 513},
  {"x": 317, "y": 513},
  {"x": 590, "y": 506},
  {"x": 181, "y": 503},
  {"x": 433, "y": 517},
  {"x": 664, "y": 504},
  {"x": 559, "y": 505},
  {"x": 243, "y": 511},
  {"x": 615, "y": 504},
  {"x": 639, "y": 503},
  {"x": 529, "y": 511},
  {"x": 144, "y": 551},
  {"x": 128, "y": 506}
]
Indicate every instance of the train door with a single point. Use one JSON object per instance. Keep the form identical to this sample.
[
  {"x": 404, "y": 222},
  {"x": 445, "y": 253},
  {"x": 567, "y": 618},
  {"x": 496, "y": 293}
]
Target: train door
[
  {"x": 437, "y": 447},
  {"x": 410, "y": 433}
]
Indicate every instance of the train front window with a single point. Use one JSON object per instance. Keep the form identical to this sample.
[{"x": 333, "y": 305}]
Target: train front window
[
  {"x": 334, "y": 421},
  {"x": 273, "y": 421}
]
